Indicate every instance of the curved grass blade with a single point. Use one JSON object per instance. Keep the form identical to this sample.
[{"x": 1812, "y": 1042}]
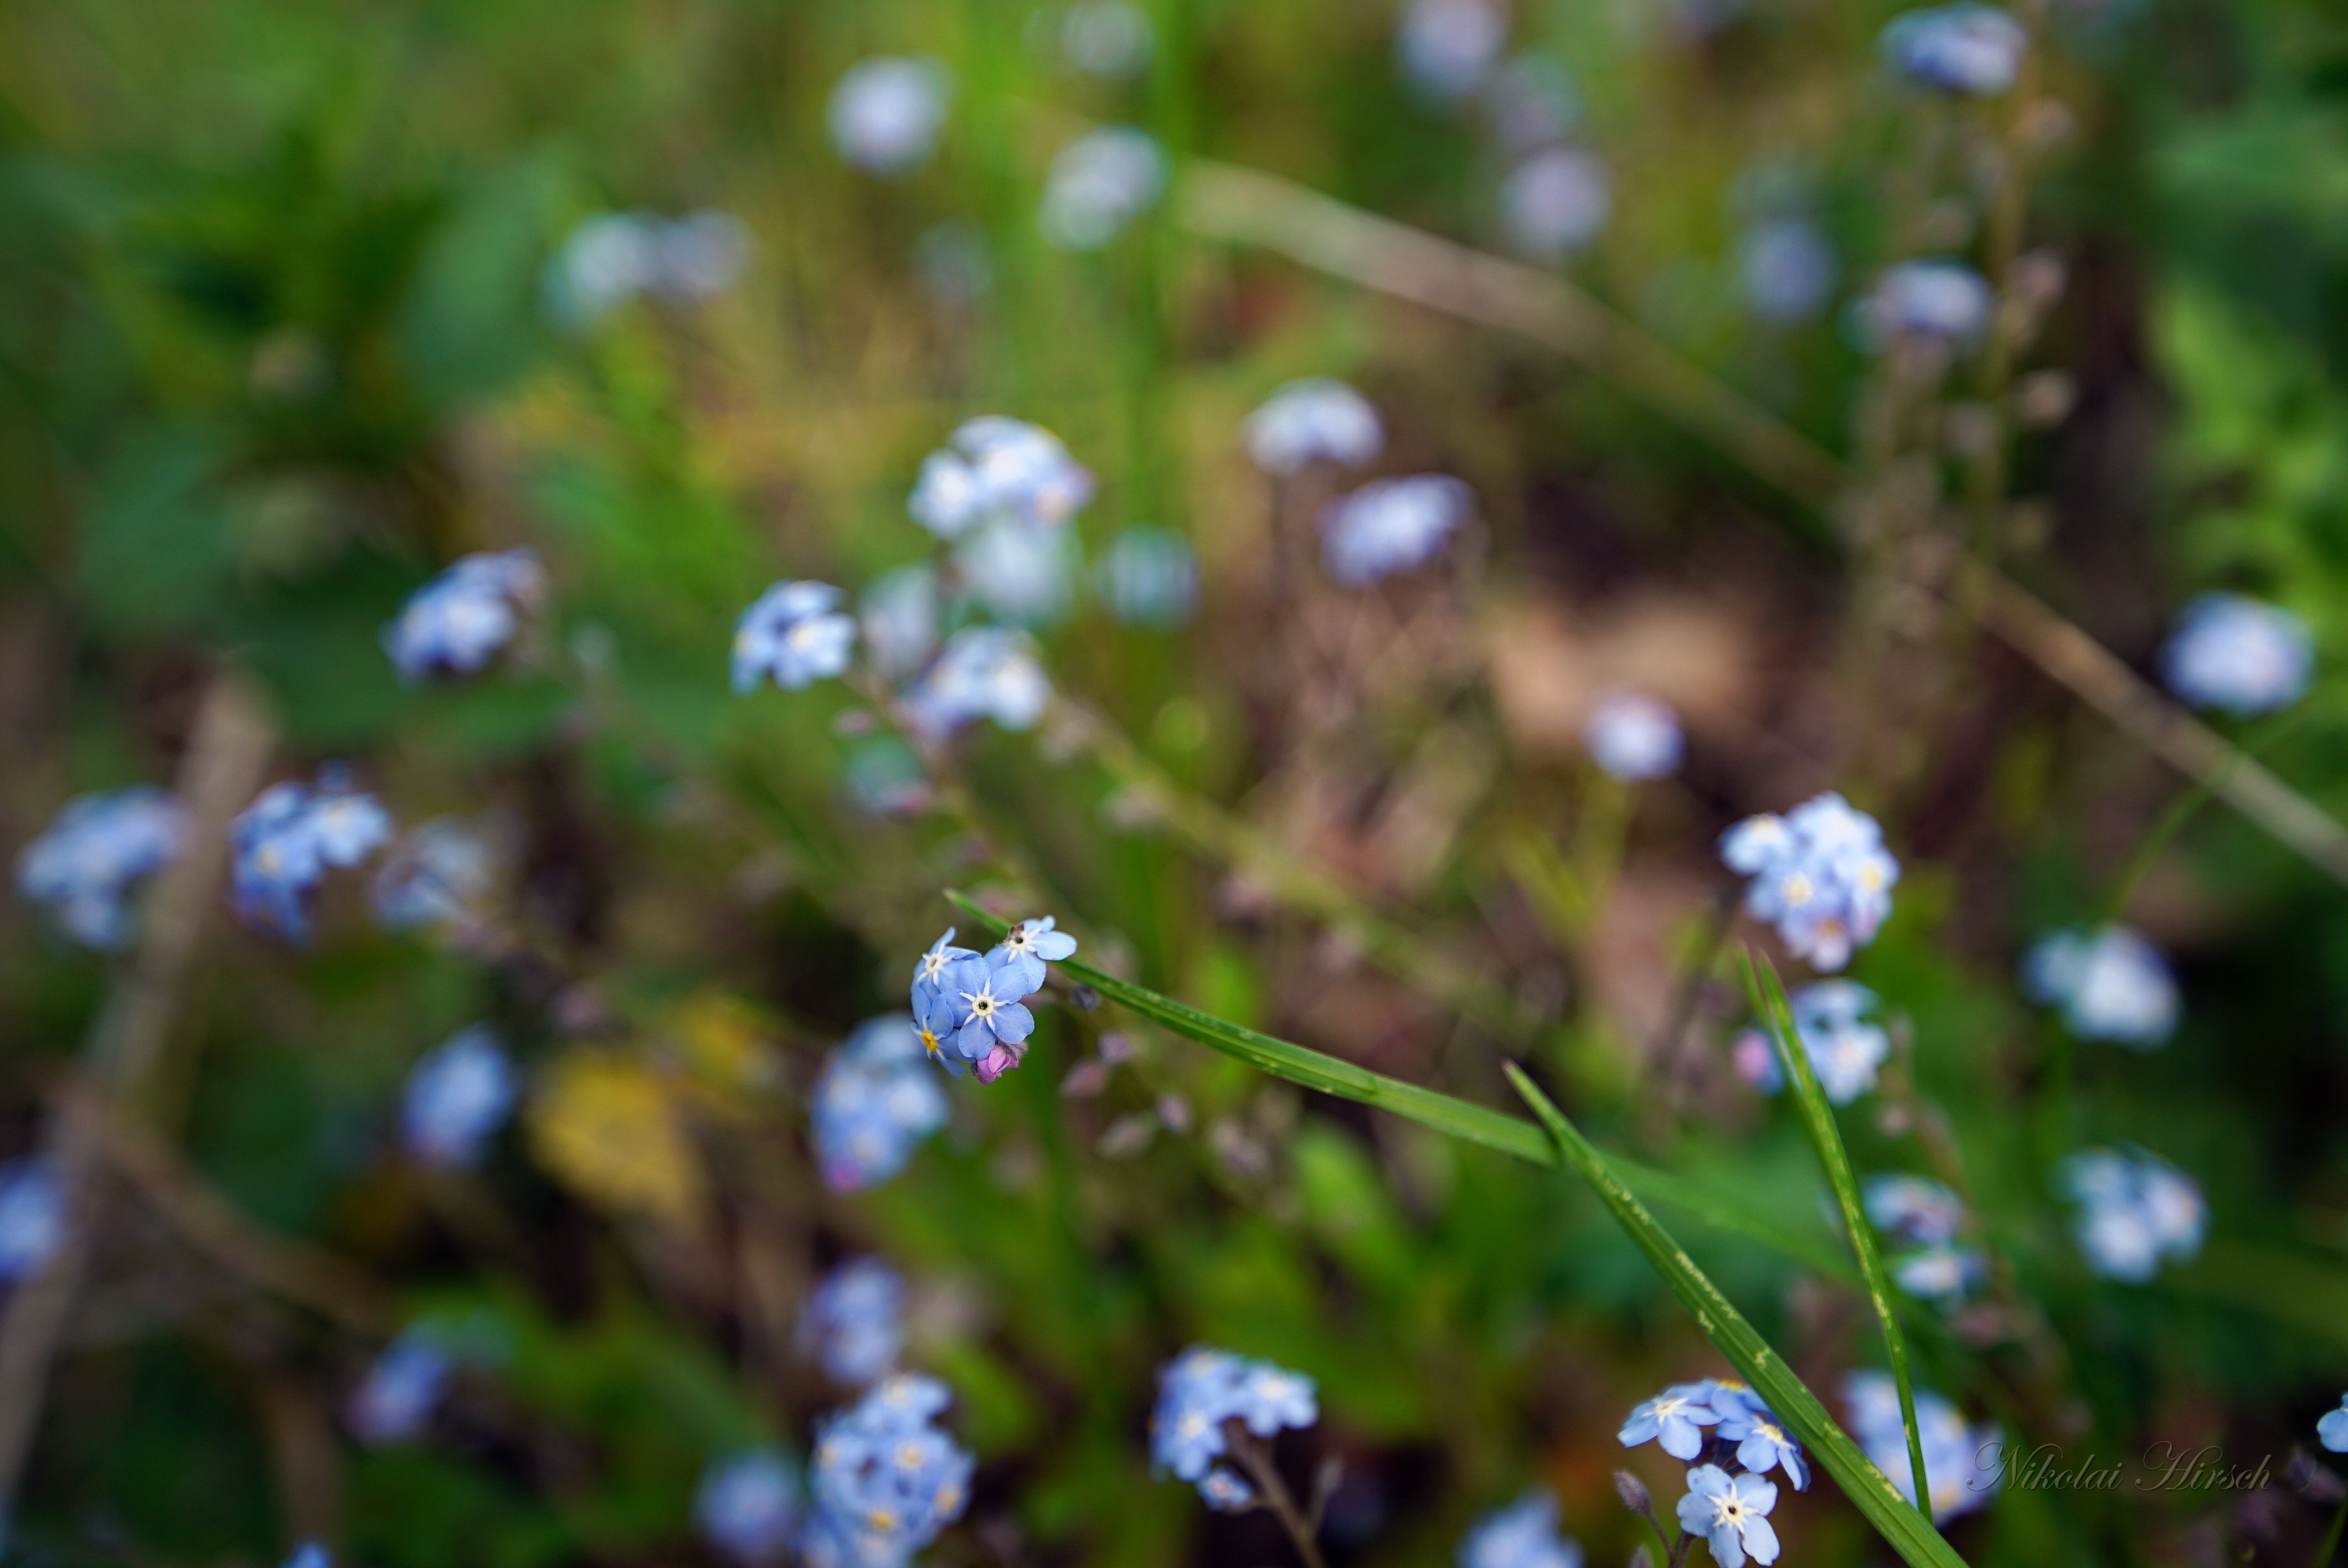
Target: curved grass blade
[
  {"x": 1909, "y": 1533},
  {"x": 1769, "y": 1004}
]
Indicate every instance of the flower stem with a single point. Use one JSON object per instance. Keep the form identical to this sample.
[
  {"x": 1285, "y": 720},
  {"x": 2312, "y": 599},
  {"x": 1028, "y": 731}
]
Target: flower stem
[{"x": 1255, "y": 1458}]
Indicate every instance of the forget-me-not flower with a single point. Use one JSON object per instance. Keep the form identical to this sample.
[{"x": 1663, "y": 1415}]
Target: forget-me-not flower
[
  {"x": 1937, "y": 302},
  {"x": 1731, "y": 1512},
  {"x": 2111, "y": 984},
  {"x": 1202, "y": 1388},
  {"x": 613, "y": 258},
  {"x": 983, "y": 672},
  {"x": 2238, "y": 655},
  {"x": 1784, "y": 269},
  {"x": 457, "y": 1098},
  {"x": 1674, "y": 1420},
  {"x": 401, "y": 1389},
  {"x": 1021, "y": 572},
  {"x": 1962, "y": 1467},
  {"x": 84, "y": 865},
  {"x": 886, "y": 113},
  {"x": 1940, "y": 1273},
  {"x": 1099, "y": 183},
  {"x": 1820, "y": 875},
  {"x": 1761, "y": 1442},
  {"x": 1633, "y": 738},
  {"x": 1844, "y": 1049},
  {"x": 32, "y": 1217},
  {"x": 794, "y": 634},
  {"x": 991, "y": 1035},
  {"x": 1446, "y": 47},
  {"x": 462, "y": 618},
  {"x": 994, "y": 468},
  {"x": 2332, "y": 1431},
  {"x": 872, "y": 1106},
  {"x": 310, "y": 1555},
  {"x": 1557, "y": 201},
  {"x": 854, "y": 1321},
  {"x": 1148, "y": 577},
  {"x": 2135, "y": 1211},
  {"x": 1226, "y": 1490},
  {"x": 287, "y": 839},
  {"x": 1912, "y": 1208},
  {"x": 1028, "y": 947},
  {"x": 748, "y": 1507},
  {"x": 885, "y": 1480},
  {"x": 1390, "y": 526},
  {"x": 1316, "y": 420},
  {"x": 1966, "y": 48},
  {"x": 1522, "y": 1535}
]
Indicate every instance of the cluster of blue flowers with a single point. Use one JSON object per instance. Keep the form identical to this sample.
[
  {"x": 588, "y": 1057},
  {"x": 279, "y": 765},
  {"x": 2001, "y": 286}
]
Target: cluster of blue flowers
[
  {"x": 1633, "y": 738},
  {"x": 615, "y": 258},
  {"x": 1844, "y": 1049},
  {"x": 462, "y": 618},
  {"x": 84, "y": 866},
  {"x": 1729, "y": 1509},
  {"x": 886, "y": 1478},
  {"x": 2136, "y": 1212},
  {"x": 458, "y": 1098},
  {"x": 1202, "y": 1390},
  {"x": 1962, "y": 1468},
  {"x": 1926, "y": 1216},
  {"x": 1316, "y": 420},
  {"x": 32, "y": 1217},
  {"x": 854, "y": 1322},
  {"x": 968, "y": 1007},
  {"x": 2111, "y": 984},
  {"x": 1390, "y": 526},
  {"x": 1820, "y": 875},
  {"x": 748, "y": 1507},
  {"x": 1968, "y": 49},
  {"x": 1522, "y": 1535},
  {"x": 2238, "y": 655},
  {"x": 874, "y": 1103},
  {"x": 793, "y": 634},
  {"x": 288, "y": 838}
]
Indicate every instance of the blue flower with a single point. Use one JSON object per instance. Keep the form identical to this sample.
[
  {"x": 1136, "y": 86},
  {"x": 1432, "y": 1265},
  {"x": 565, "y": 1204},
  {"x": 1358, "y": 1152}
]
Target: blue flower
[
  {"x": 991, "y": 1023},
  {"x": 1937, "y": 302},
  {"x": 1521, "y": 1535},
  {"x": 1202, "y": 1388},
  {"x": 885, "y": 1480},
  {"x": 284, "y": 842},
  {"x": 612, "y": 258},
  {"x": 1844, "y": 1050},
  {"x": 84, "y": 866},
  {"x": 983, "y": 672},
  {"x": 1097, "y": 184},
  {"x": 2238, "y": 655},
  {"x": 1785, "y": 270},
  {"x": 854, "y": 1321},
  {"x": 2332, "y": 1431},
  {"x": 994, "y": 468},
  {"x": 458, "y": 1098},
  {"x": 1672, "y": 1420},
  {"x": 794, "y": 635},
  {"x": 2111, "y": 984},
  {"x": 1966, "y": 48},
  {"x": 1820, "y": 875},
  {"x": 748, "y": 1507},
  {"x": 1633, "y": 738},
  {"x": 1316, "y": 420},
  {"x": 32, "y": 1217},
  {"x": 1731, "y": 1514},
  {"x": 1106, "y": 37},
  {"x": 2135, "y": 1211},
  {"x": 1557, "y": 201},
  {"x": 1913, "y": 1208},
  {"x": 455, "y": 624},
  {"x": 1226, "y": 1491},
  {"x": 930, "y": 969},
  {"x": 1962, "y": 1468},
  {"x": 1761, "y": 1440},
  {"x": 1940, "y": 1273},
  {"x": 401, "y": 1389},
  {"x": 310, "y": 1555},
  {"x": 1148, "y": 577},
  {"x": 1447, "y": 47},
  {"x": 886, "y": 113},
  {"x": 873, "y": 1104},
  {"x": 1390, "y": 526},
  {"x": 1028, "y": 947},
  {"x": 1019, "y": 571}
]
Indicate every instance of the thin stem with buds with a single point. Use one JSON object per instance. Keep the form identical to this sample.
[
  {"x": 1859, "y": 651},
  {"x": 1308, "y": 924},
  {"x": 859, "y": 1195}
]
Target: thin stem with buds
[{"x": 1255, "y": 1456}]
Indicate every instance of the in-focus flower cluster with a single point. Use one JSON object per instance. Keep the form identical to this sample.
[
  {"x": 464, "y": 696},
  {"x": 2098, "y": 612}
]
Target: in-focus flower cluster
[
  {"x": 2238, "y": 655},
  {"x": 615, "y": 258},
  {"x": 1962, "y": 1467},
  {"x": 2111, "y": 984},
  {"x": 2136, "y": 1212},
  {"x": 1820, "y": 875},
  {"x": 874, "y": 1103},
  {"x": 1204, "y": 1389},
  {"x": 457, "y": 1098},
  {"x": 854, "y": 1322},
  {"x": 1522, "y": 1535},
  {"x": 886, "y": 113},
  {"x": 462, "y": 618},
  {"x": 886, "y": 1478},
  {"x": 84, "y": 866},
  {"x": 1729, "y": 1508},
  {"x": 1966, "y": 48},
  {"x": 290, "y": 837},
  {"x": 748, "y": 1507},
  {"x": 968, "y": 1007}
]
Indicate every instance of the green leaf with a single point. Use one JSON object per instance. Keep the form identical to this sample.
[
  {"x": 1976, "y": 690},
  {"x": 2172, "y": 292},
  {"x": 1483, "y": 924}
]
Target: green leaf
[
  {"x": 1789, "y": 1398},
  {"x": 1769, "y": 1004}
]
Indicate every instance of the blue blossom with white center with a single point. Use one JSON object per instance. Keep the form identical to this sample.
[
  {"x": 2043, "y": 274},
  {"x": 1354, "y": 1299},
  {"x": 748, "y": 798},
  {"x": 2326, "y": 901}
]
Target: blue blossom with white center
[
  {"x": 1099, "y": 183},
  {"x": 1202, "y": 1388},
  {"x": 1106, "y": 37},
  {"x": 930, "y": 969},
  {"x": 1226, "y": 1491},
  {"x": 285, "y": 843},
  {"x": 994, "y": 468},
  {"x": 2111, "y": 984},
  {"x": 1674, "y": 1420},
  {"x": 1148, "y": 577},
  {"x": 32, "y": 1217},
  {"x": 1522, "y": 1535},
  {"x": 458, "y": 1098},
  {"x": 899, "y": 618},
  {"x": 1962, "y": 1464},
  {"x": 1761, "y": 1438},
  {"x": 1844, "y": 1049},
  {"x": 1022, "y": 573},
  {"x": 748, "y": 1507},
  {"x": 886, "y": 113},
  {"x": 1912, "y": 1208},
  {"x": 873, "y": 1104},
  {"x": 1784, "y": 269},
  {"x": 983, "y": 672},
  {"x": 854, "y": 1321},
  {"x": 885, "y": 1480},
  {"x": 400, "y": 1390},
  {"x": 794, "y": 634},
  {"x": 991, "y": 1036},
  {"x": 1731, "y": 1512},
  {"x": 1390, "y": 526},
  {"x": 1633, "y": 738},
  {"x": 1447, "y": 47},
  {"x": 1530, "y": 104},
  {"x": 1966, "y": 48},
  {"x": 1315, "y": 420},
  {"x": 462, "y": 618},
  {"x": 84, "y": 866},
  {"x": 2134, "y": 1211},
  {"x": 1557, "y": 201},
  {"x": 1943, "y": 302},
  {"x": 1940, "y": 1273},
  {"x": 2332, "y": 1431},
  {"x": 2238, "y": 655},
  {"x": 1027, "y": 947},
  {"x": 440, "y": 874},
  {"x": 1820, "y": 875}
]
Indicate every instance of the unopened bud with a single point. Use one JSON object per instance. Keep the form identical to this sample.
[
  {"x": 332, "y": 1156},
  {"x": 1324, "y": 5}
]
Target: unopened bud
[{"x": 1633, "y": 1493}]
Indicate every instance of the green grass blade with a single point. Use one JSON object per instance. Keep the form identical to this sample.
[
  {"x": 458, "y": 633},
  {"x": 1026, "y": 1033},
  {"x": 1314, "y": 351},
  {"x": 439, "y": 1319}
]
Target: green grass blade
[
  {"x": 1778, "y": 1015},
  {"x": 1909, "y": 1533}
]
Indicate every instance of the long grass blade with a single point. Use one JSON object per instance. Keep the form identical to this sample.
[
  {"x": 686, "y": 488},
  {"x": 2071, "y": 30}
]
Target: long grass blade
[
  {"x": 1908, "y": 1533},
  {"x": 1769, "y": 1003}
]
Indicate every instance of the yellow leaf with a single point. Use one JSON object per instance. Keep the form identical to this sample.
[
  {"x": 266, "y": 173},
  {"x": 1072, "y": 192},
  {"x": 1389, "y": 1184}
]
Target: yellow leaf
[
  {"x": 604, "y": 1125},
  {"x": 724, "y": 1041}
]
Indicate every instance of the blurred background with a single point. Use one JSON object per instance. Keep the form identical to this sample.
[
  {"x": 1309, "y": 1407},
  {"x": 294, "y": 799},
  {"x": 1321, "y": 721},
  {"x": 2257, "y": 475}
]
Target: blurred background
[{"x": 301, "y": 303}]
